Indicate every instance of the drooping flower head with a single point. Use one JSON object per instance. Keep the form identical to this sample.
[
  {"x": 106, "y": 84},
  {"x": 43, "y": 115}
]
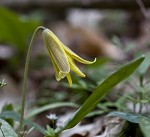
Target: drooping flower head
[{"x": 62, "y": 57}]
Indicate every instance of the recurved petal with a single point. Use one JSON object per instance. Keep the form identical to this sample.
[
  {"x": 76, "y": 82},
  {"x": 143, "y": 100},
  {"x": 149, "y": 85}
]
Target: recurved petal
[
  {"x": 69, "y": 79},
  {"x": 56, "y": 50},
  {"x": 76, "y": 57},
  {"x": 74, "y": 67}
]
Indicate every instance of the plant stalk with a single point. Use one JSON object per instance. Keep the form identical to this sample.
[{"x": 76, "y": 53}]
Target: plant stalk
[{"x": 26, "y": 70}]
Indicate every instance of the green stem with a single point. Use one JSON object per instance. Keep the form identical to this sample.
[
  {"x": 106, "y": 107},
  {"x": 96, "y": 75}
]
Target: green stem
[
  {"x": 134, "y": 107},
  {"x": 141, "y": 80},
  {"x": 141, "y": 94},
  {"x": 25, "y": 81}
]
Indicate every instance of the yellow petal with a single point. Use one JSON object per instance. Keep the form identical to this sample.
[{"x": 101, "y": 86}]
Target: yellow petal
[
  {"x": 62, "y": 74},
  {"x": 74, "y": 67},
  {"x": 75, "y": 56},
  {"x": 58, "y": 78},
  {"x": 69, "y": 79},
  {"x": 59, "y": 74},
  {"x": 56, "y": 50}
]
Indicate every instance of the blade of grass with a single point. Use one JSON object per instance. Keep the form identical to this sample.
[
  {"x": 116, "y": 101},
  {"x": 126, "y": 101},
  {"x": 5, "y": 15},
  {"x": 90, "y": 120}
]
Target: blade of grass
[
  {"x": 50, "y": 106},
  {"x": 101, "y": 90}
]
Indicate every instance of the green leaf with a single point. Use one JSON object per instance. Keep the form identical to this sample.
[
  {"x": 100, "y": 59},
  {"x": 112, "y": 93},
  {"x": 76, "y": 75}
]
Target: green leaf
[
  {"x": 145, "y": 126},
  {"x": 15, "y": 116},
  {"x": 145, "y": 65},
  {"x": 7, "y": 129},
  {"x": 94, "y": 113},
  {"x": 134, "y": 118},
  {"x": 35, "y": 126},
  {"x": 103, "y": 88},
  {"x": 14, "y": 30},
  {"x": 8, "y": 107},
  {"x": 50, "y": 106},
  {"x": 9, "y": 114},
  {"x": 50, "y": 132}
]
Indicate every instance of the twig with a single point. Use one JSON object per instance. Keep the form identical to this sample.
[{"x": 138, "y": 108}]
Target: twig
[{"x": 143, "y": 9}]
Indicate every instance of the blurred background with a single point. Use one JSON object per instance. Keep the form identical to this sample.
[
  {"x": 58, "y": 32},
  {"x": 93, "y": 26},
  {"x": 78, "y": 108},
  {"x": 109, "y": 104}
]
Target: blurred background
[{"x": 113, "y": 31}]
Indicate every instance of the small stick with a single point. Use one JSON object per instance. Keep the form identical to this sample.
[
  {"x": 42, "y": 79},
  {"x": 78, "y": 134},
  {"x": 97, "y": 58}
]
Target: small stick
[
  {"x": 142, "y": 7},
  {"x": 144, "y": 11}
]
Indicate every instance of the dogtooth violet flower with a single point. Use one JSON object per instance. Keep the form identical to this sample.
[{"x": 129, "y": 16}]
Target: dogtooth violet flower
[{"x": 62, "y": 57}]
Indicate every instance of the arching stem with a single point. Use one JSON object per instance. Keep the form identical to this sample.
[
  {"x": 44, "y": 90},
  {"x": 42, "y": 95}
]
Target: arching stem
[{"x": 26, "y": 70}]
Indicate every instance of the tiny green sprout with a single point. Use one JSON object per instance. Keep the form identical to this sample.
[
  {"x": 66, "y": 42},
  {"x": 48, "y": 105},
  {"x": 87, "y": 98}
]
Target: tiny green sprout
[{"x": 50, "y": 132}]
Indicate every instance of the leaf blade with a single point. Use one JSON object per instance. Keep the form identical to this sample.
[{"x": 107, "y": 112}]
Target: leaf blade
[
  {"x": 145, "y": 126},
  {"x": 50, "y": 106},
  {"x": 7, "y": 129},
  {"x": 100, "y": 92},
  {"x": 134, "y": 118}
]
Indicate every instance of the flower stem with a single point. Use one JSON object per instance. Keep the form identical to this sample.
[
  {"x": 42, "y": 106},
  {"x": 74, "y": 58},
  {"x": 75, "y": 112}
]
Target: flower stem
[{"x": 25, "y": 81}]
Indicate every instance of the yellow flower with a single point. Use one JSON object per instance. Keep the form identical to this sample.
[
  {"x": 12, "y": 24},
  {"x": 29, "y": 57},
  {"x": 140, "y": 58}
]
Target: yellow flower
[{"x": 62, "y": 57}]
